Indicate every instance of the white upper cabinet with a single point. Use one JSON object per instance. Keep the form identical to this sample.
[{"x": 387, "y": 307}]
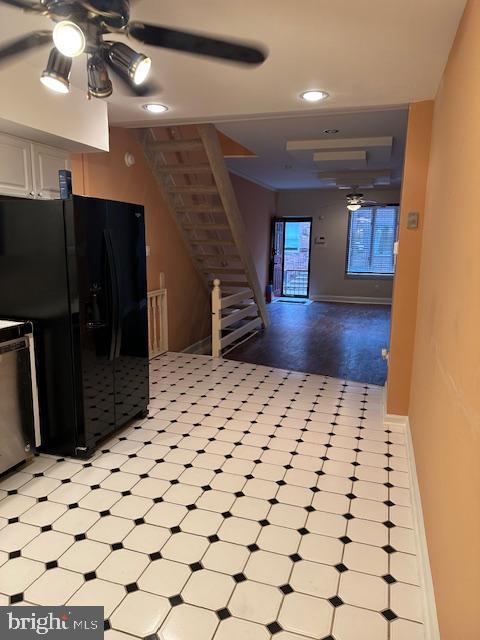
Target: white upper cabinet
[
  {"x": 16, "y": 175},
  {"x": 30, "y": 170},
  {"x": 47, "y": 162}
]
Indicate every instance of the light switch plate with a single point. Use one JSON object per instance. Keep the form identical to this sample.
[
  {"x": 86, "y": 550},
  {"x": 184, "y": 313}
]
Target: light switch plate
[{"x": 412, "y": 220}]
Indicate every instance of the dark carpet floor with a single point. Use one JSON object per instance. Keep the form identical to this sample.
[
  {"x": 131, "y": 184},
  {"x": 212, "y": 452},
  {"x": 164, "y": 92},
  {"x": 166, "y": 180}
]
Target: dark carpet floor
[{"x": 333, "y": 339}]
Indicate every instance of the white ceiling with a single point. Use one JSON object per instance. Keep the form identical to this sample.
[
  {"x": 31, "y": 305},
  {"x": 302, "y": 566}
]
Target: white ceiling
[
  {"x": 365, "y": 53},
  {"x": 278, "y": 168}
]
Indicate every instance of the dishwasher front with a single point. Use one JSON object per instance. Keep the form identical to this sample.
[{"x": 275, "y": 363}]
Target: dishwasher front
[{"x": 17, "y": 416}]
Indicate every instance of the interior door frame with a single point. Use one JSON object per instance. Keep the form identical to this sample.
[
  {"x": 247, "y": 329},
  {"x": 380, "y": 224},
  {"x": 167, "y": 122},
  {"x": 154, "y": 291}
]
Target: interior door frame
[{"x": 309, "y": 219}]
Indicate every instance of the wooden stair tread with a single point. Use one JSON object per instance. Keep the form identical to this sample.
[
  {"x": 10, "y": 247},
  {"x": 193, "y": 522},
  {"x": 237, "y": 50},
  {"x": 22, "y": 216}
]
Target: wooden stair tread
[
  {"x": 233, "y": 283},
  {"x": 226, "y": 270},
  {"x": 194, "y": 189},
  {"x": 176, "y": 145},
  {"x": 199, "y": 208},
  {"x": 220, "y": 256},
  {"x": 215, "y": 243},
  {"x": 184, "y": 168},
  {"x": 205, "y": 226}
]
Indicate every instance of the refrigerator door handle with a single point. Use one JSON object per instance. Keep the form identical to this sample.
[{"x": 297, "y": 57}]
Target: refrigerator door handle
[
  {"x": 113, "y": 293},
  {"x": 118, "y": 325}
]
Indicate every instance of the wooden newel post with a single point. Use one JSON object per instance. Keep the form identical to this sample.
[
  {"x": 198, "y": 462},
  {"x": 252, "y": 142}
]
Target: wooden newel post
[{"x": 216, "y": 319}]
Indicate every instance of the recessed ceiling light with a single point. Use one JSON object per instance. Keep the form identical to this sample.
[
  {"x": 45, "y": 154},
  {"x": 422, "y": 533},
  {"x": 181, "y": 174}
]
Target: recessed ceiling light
[
  {"x": 155, "y": 108},
  {"x": 330, "y": 131},
  {"x": 314, "y": 95}
]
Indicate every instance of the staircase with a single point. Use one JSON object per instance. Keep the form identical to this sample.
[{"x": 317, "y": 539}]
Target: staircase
[{"x": 188, "y": 163}]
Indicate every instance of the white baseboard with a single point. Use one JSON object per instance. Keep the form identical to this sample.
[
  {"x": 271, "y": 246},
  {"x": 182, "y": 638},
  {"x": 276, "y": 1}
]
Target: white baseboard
[
  {"x": 432, "y": 631},
  {"x": 202, "y": 347},
  {"x": 392, "y": 418},
  {"x": 352, "y": 299}
]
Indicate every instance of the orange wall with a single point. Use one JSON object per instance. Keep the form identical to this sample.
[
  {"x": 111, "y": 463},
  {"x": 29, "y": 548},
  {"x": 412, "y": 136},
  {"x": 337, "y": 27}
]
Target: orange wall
[
  {"x": 445, "y": 393},
  {"x": 105, "y": 175},
  {"x": 257, "y": 206},
  {"x": 404, "y": 306}
]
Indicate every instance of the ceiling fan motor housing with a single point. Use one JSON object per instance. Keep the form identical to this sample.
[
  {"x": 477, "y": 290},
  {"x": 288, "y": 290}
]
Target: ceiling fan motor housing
[{"x": 113, "y": 13}]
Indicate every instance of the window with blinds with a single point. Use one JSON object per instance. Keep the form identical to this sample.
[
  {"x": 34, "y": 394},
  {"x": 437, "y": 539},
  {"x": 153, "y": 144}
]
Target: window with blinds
[{"x": 371, "y": 235}]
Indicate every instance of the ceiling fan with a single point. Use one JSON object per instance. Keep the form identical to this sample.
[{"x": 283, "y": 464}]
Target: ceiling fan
[
  {"x": 80, "y": 27},
  {"x": 356, "y": 201}
]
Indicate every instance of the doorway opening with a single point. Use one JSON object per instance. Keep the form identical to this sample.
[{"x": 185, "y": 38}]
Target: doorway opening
[{"x": 291, "y": 257}]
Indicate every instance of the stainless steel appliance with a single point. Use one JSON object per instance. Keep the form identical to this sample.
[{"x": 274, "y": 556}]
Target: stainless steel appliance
[{"x": 17, "y": 394}]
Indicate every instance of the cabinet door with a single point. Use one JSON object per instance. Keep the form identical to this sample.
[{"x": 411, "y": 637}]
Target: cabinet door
[
  {"x": 47, "y": 162},
  {"x": 15, "y": 167}
]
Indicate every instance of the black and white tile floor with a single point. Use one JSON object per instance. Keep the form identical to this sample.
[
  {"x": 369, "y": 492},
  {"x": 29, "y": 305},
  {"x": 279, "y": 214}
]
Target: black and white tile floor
[{"x": 252, "y": 503}]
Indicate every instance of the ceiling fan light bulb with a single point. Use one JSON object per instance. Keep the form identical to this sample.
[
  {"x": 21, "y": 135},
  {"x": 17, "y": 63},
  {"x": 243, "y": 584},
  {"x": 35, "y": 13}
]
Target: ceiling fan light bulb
[
  {"x": 54, "y": 84},
  {"x": 69, "y": 38},
  {"x": 57, "y": 73},
  {"x": 141, "y": 70},
  {"x": 133, "y": 66},
  {"x": 354, "y": 207}
]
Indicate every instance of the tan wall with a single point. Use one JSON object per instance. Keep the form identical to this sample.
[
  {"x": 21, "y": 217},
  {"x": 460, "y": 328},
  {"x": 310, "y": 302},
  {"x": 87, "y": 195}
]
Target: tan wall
[
  {"x": 105, "y": 175},
  {"x": 445, "y": 393},
  {"x": 405, "y": 290},
  {"x": 257, "y": 206}
]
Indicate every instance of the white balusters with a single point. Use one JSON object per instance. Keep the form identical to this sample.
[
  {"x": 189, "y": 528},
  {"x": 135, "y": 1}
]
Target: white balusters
[
  {"x": 236, "y": 315},
  {"x": 158, "y": 320}
]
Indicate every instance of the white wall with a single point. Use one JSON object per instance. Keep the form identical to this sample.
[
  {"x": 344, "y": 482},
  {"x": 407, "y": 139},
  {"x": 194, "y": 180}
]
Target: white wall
[
  {"x": 31, "y": 111},
  {"x": 330, "y": 219}
]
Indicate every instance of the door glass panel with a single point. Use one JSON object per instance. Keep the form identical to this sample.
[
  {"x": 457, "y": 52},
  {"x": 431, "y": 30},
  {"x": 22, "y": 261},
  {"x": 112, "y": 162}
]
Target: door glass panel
[
  {"x": 296, "y": 258},
  {"x": 278, "y": 231}
]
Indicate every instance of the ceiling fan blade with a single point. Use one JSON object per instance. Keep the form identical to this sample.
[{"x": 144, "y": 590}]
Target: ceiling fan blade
[
  {"x": 27, "y": 5},
  {"x": 195, "y": 43},
  {"x": 25, "y": 43}
]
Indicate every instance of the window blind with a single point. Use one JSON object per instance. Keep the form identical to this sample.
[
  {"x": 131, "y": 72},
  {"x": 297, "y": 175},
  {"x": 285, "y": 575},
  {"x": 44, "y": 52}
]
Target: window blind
[{"x": 371, "y": 236}]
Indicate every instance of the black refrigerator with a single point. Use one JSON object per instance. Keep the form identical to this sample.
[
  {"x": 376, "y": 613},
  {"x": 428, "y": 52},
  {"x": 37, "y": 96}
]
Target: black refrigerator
[{"x": 76, "y": 269}]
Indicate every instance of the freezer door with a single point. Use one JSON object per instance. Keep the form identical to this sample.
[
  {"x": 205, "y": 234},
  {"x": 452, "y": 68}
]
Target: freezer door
[
  {"x": 126, "y": 228},
  {"x": 34, "y": 286},
  {"x": 93, "y": 303}
]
